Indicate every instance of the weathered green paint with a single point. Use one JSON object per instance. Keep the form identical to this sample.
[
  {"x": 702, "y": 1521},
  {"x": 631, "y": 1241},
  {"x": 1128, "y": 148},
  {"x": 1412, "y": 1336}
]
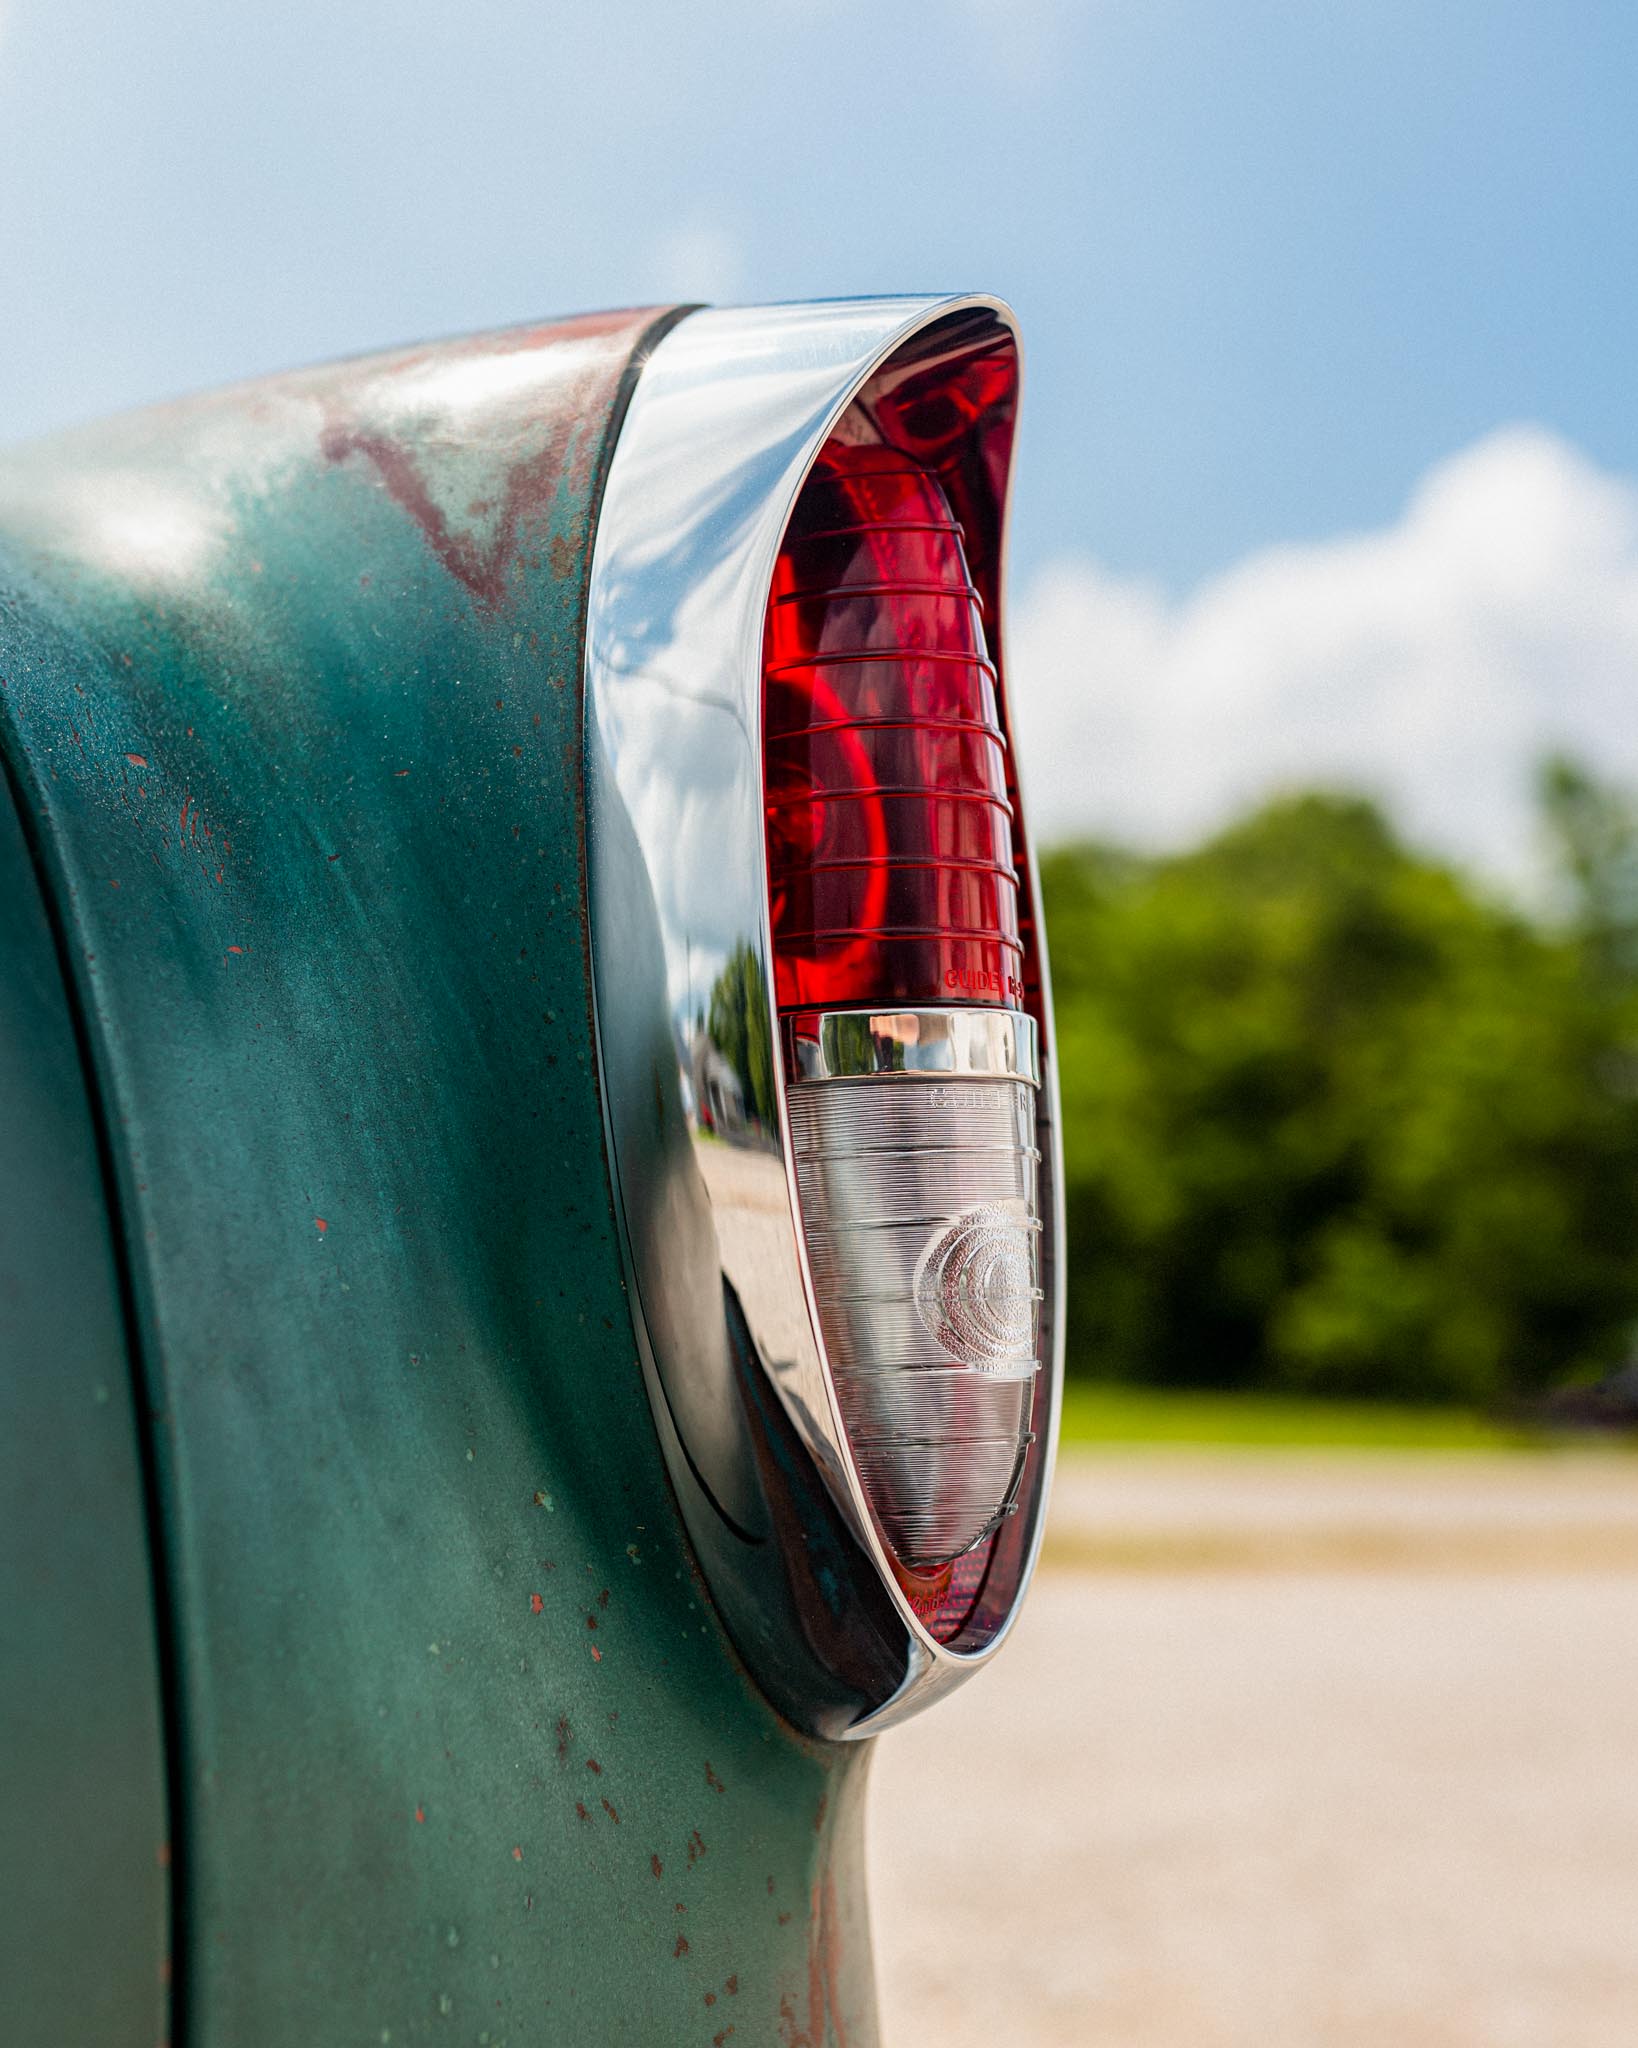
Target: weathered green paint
[
  {"x": 83, "y": 1928},
  {"x": 292, "y": 682}
]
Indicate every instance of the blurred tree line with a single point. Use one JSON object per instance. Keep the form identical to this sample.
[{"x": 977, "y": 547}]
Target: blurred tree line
[{"x": 1337, "y": 1121}]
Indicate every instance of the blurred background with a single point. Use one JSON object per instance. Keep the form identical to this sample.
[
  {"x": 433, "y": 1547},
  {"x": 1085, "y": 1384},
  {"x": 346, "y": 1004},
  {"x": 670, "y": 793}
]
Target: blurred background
[{"x": 1323, "y": 647}]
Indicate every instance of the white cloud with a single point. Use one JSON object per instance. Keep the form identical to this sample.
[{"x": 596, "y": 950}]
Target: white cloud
[
  {"x": 1431, "y": 663},
  {"x": 697, "y": 259}
]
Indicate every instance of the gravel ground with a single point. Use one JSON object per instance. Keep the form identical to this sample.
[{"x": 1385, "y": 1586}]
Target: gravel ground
[{"x": 1291, "y": 1750}]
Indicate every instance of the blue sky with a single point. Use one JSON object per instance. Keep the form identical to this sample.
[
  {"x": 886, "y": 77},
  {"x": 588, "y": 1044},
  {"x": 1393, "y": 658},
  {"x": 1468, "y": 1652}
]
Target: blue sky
[{"x": 1275, "y": 263}]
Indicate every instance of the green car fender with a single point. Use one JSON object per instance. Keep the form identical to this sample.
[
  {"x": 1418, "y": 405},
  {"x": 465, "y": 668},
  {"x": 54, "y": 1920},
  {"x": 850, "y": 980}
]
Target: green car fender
[{"x": 433, "y": 1732}]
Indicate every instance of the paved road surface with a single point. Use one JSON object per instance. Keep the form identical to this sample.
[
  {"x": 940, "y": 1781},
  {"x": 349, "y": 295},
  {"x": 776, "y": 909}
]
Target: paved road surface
[{"x": 1316, "y": 1752}]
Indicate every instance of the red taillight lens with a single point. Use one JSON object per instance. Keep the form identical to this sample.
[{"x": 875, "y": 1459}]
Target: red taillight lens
[
  {"x": 899, "y": 921},
  {"x": 890, "y": 848}
]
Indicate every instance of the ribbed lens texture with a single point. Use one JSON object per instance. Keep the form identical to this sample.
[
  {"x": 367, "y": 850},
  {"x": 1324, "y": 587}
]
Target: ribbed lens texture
[
  {"x": 921, "y": 1207},
  {"x": 889, "y": 828}
]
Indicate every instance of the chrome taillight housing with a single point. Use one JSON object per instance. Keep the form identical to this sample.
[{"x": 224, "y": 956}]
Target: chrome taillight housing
[{"x": 822, "y": 1008}]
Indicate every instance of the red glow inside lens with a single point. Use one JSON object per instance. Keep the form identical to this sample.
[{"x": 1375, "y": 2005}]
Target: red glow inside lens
[
  {"x": 890, "y": 828},
  {"x": 943, "y": 1600}
]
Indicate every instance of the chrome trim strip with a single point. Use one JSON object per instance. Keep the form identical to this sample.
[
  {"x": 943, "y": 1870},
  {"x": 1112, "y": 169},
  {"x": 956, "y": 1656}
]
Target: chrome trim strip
[
  {"x": 831, "y": 1045},
  {"x": 728, "y": 415}
]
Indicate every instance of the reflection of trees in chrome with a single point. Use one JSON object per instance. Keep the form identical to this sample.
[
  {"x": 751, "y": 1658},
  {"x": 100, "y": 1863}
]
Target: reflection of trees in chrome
[{"x": 737, "y": 1028}]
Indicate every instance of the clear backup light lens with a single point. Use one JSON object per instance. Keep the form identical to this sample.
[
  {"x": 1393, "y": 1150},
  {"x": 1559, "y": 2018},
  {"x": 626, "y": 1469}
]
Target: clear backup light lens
[
  {"x": 921, "y": 1208},
  {"x": 895, "y": 909}
]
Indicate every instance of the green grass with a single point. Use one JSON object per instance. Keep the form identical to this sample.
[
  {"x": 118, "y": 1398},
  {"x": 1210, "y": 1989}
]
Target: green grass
[{"x": 1101, "y": 1414}]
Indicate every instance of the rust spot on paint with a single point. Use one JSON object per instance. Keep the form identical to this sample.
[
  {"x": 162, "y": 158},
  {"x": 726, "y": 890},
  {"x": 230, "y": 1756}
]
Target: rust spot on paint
[
  {"x": 536, "y": 1604},
  {"x": 732, "y": 1986},
  {"x": 711, "y": 1778},
  {"x": 718, "y": 2039},
  {"x": 420, "y": 1815},
  {"x": 162, "y": 1855},
  {"x": 137, "y": 760},
  {"x": 517, "y": 1852},
  {"x": 322, "y": 1225},
  {"x": 235, "y": 949},
  {"x": 528, "y": 491},
  {"x": 655, "y": 1865},
  {"x": 563, "y": 1738},
  {"x": 591, "y": 1621},
  {"x": 593, "y": 1765},
  {"x": 597, "y": 1655},
  {"x": 682, "y": 1946},
  {"x": 824, "y": 2015},
  {"x": 399, "y": 774},
  {"x": 609, "y": 1810},
  {"x": 710, "y": 1998},
  {"x": 696, "y": 1846},
  {"x": 580, "y": 1808}
]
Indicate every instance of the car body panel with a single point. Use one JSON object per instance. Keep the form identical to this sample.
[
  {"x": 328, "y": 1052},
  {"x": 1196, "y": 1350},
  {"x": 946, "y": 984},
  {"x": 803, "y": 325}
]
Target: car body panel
[
  {"x": 84, "y": 1845},
  {"x": 293, "y": 699}
]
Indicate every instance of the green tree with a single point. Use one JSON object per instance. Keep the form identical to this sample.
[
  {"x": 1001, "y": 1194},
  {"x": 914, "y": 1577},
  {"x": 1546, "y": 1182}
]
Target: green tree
[
  {"x": 1336, "y": 1122},
  {"x": 737, "y": 1021},
  {"x": 1594, "y": 832}
]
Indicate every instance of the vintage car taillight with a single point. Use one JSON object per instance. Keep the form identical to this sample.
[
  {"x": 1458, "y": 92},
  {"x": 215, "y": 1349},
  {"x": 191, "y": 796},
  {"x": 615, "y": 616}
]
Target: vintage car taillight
[
  {"x": 899, "y": 972},
  {"x": 841, "y": 1100}
]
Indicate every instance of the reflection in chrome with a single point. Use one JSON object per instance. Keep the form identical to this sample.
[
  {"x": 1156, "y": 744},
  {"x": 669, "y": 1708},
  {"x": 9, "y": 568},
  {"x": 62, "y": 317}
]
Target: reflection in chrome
[
  {"x": 708, "y": 1111},
  {"x": 831, "y": 1044}
]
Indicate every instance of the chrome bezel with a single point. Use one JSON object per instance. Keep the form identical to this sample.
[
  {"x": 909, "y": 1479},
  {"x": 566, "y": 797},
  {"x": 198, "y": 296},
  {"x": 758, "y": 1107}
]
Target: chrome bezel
[
  {"x": 835, "y": 1045},
  {"x": 726, "y": 418}
]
